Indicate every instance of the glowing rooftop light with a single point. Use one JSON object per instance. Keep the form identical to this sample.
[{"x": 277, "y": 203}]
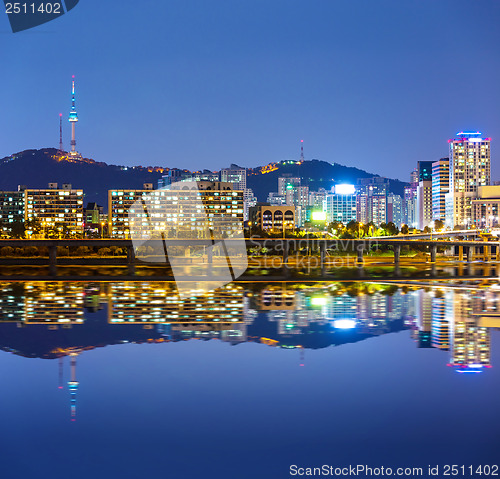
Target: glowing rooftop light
[
  {"x": 344, "y": 324},
  {"x": 469, "y": 133},
  {"x": 318, "y": 301},
  {"x": 344, "y": 189}
]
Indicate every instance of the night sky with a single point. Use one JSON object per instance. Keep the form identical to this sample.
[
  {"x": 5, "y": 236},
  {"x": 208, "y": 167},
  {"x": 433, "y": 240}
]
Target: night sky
[{"x": 201, "y": 84}]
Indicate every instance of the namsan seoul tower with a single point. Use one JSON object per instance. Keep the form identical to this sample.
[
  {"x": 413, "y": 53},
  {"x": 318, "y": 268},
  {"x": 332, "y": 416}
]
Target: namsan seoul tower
[
  {"x": 73, "y": 118},
  {"x": 73, "y": 385}
]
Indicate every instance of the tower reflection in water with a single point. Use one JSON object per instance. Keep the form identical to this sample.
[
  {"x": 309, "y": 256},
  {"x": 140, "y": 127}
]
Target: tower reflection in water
[{"x": 57, "y": 319}]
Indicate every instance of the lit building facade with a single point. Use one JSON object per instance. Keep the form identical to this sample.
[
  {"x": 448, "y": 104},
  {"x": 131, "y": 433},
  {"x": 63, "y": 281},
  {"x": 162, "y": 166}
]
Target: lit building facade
[
  {"x": 286, "y": 183},
  {"x": 236, "y": 175},
  {"x": 440, "y": 188},
  {"x": 249, "y": 200},
  {"x": 176, "y": 213},
  {"x": 275, "y": 199},
  {"x": 395, "y": 209},
  {"x": 371, "y": 208},
  {"x": 273, "y": 218},
  {"x": 298, "y": 196},
  {"x": 340, "y": 207},
  {"x": 55, "y": 209},
  {"x": 424, "y": 204},
  {"x": 470, "y": 344},
  {"x": 470, "y": 158},
  {"x": 159, "y": 302},
  {"x": 371, "y": 200},
  {"x": 486, "y": 207},
  {"x": 175, "y": 175},
  {"x": 12, "y": 205}
]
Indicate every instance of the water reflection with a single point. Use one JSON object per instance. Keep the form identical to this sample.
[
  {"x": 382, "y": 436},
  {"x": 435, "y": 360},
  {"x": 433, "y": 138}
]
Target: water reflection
[{"x": 57, "y": 319}]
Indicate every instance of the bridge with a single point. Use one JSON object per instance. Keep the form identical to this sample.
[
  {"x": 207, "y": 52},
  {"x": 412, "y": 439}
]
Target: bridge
[{"x": 464, "y": 250}]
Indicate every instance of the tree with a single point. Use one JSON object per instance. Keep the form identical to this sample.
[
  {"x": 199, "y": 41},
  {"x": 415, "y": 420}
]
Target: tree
[
  {"x": 17, "y": 229},
  {"x": 392, "y": 229},
  {"x": 34, "y": 226},
  {"x": 404, "y": 229},
  {"x": 438, "y": 224}
]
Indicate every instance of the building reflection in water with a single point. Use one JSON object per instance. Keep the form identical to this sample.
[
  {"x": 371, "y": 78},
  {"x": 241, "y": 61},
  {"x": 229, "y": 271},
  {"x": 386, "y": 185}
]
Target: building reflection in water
[{"x": 57, "y": 319}]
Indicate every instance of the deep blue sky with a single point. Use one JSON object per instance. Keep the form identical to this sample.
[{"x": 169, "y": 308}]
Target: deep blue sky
[{"x": 377, "y": 84}]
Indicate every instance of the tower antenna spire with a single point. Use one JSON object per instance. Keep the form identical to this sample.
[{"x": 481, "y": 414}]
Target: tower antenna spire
[
  {"x": 61, "y": 372},
  {"x": 73, "y": 119},
  {"x": 61, "y": 148},
  {"x": 301, "y": 150},
  {"x": 73, "y": 385}
]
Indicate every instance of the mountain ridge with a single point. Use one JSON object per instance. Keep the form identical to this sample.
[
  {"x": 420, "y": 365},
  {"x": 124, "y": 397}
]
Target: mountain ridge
[{"x": 36, "y": 168}]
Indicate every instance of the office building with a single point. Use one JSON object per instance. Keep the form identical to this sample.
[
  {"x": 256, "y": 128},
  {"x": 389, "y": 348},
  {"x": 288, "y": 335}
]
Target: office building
[
  {"x": 273, "y": 218},
  {"x": 340, "y": 207},
  {"x": 440, "y": 188}
]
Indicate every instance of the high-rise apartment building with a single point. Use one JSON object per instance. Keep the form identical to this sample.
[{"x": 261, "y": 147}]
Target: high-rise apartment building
[
  {"x": 287, "y": 182},
  {"x": 371, "y": 200},
  {"x": 469, "y": 343},
  {"x": 440, "y": 187},
  {"x": 410, "y": 206},
  {"x": 275, "y": 199},
  {"x": 424, "y": 194},
  {"x": 55, "y": 209},
  {"x": 395, "y": 209},
  {"x": 175, "y": 211},
  {"x": 11, "y": 209},
  {"x": 236, "y": 175},
  {"x": 469, "y": 169},
  {"x": 424, "y": 171},
  {"x": 249, "y": 200},
  {"x": 298, "y": 196},
  {"x": 175, "y": 175},
  {"x": 424, "y": 204}
]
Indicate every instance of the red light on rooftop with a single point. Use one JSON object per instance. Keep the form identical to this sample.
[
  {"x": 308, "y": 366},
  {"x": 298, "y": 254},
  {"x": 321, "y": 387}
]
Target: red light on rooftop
[{"x": 302, "y": 141}]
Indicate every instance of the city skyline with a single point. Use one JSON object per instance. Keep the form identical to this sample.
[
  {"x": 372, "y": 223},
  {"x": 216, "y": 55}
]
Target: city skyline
[{"x": 250, "y": 101}]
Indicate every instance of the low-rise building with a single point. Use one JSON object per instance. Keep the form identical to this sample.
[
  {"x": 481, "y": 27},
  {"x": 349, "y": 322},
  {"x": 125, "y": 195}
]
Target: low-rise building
[{"x": 273, "y": 218}]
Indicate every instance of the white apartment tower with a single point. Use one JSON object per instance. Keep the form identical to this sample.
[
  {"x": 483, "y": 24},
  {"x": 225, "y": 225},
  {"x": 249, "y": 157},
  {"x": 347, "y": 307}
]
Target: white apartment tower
[{"x": 469, "y": 169}]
